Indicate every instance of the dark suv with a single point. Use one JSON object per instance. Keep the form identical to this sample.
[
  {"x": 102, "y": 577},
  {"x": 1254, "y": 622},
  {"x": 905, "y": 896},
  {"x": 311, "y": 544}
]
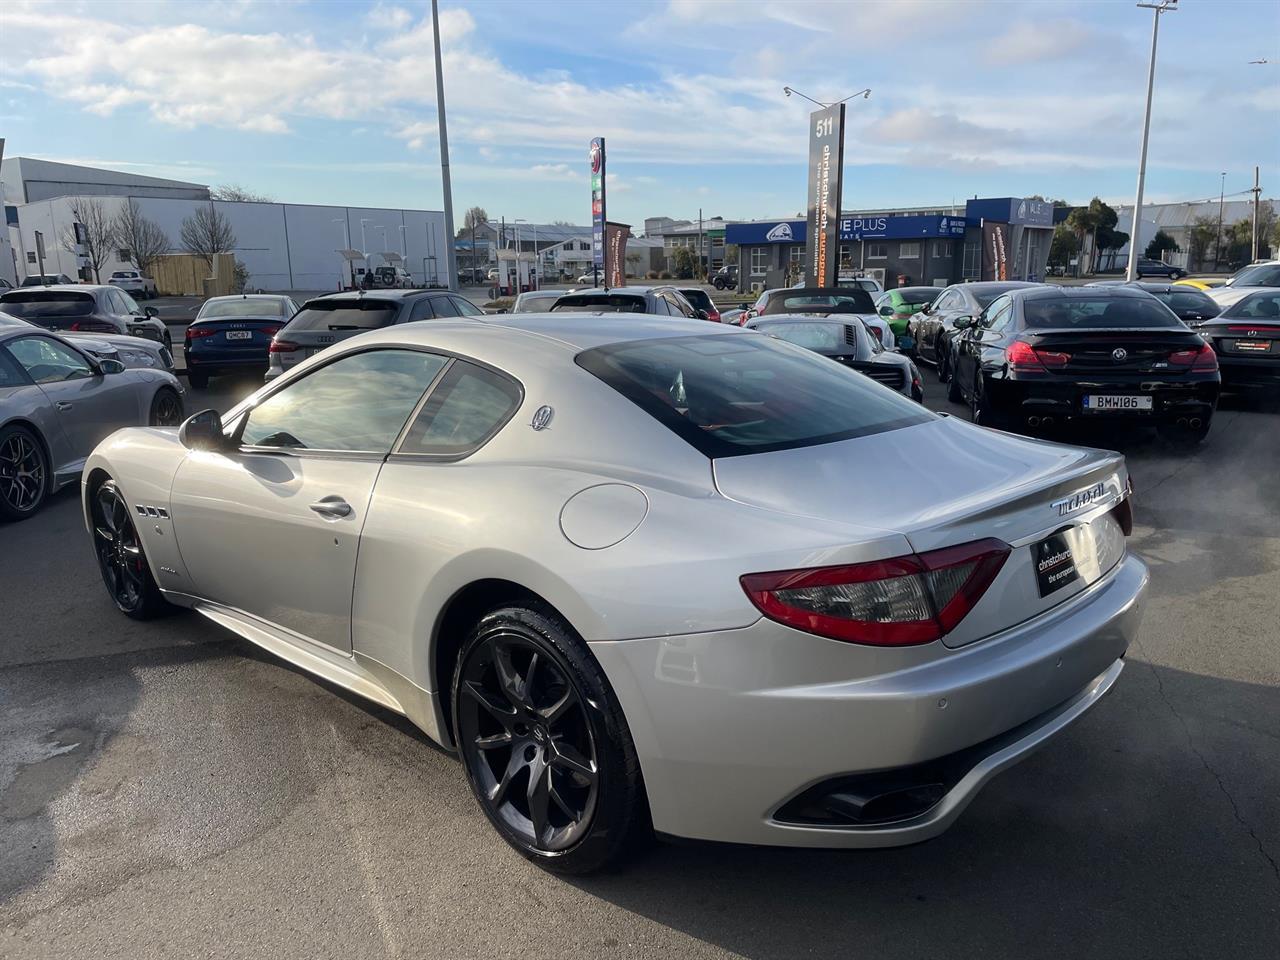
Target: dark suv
[
  {"x": 326, "y": 320},
  {"x": 726, "y": 278}
]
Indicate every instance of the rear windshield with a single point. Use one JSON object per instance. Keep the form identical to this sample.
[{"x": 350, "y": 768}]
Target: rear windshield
[
  {"x": 595, "y": 302},
  {"x": 242, "y": 307},
  {"x": 344, "y": 315},
  {"x": 1263, "y": 306},
  {"x": 853, "y": 301},
  {"x": 1097, "y": 313},
  {"x": 698, "y": 298},
  {"x": 1258, "y": 275},
  {"x": 916, "y": 295},
  {"x": 527, "y": 304},
  {"x": 123, "y": 275},
  {"x": 1188, "y": 300},
  {"x": 825, "y": 338},
  {"x": 731, "y": 395},
  {"x": 36, "y": 305}
]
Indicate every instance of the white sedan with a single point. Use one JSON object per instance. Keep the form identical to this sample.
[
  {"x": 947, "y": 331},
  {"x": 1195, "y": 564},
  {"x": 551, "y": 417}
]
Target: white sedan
[{"x": 644, "y": 574}]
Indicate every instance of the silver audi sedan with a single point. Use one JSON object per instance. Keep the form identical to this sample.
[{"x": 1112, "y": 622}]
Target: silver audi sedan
[{"x": 642, "y": 575}]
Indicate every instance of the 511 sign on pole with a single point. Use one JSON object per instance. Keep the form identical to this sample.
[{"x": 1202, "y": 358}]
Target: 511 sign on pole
[{"x": 826, "y": 167}]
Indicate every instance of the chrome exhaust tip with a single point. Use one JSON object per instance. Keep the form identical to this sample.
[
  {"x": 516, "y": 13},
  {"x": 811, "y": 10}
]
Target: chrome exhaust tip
[
  {"x": 1182, "y": 421},
  {"x": 1047, "y": 421},
  {"x": 1195, "y": 423},
  {"x": 1033, "y": 421}
]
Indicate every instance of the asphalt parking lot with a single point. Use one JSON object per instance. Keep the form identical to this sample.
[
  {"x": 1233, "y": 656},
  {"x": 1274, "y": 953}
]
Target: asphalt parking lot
[{"x": 167, "y": 790}]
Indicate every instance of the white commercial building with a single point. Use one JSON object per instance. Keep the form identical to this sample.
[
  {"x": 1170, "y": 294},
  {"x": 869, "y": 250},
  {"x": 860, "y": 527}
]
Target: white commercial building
[{"x": 284, "y": 246}]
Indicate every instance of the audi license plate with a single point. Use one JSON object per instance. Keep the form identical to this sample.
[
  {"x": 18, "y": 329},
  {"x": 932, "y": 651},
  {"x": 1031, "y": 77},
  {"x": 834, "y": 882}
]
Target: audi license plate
[
  {"x": 1252, "y": 346},
  {"x": 1114, "y": 403},
  {"x": 239, "y": 334}
]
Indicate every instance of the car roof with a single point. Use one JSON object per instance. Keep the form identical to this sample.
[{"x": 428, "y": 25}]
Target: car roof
[
  {"x": 251, "y": 296},
  {"x": 840, "y": 318},
  {"x": 69, "y": 287},
  {"x": 1051, "y": 292},
  {"x": 610, "y": 291},
  {"x": 582, "y": 331},
  {"x": 381, "y": 294}
]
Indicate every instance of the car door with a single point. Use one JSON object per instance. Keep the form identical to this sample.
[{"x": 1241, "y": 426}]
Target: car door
[
  {"x": 90, "y": 405},
  {"x": 970, "y": 346},
  {"x": 989, "y": 339},
  {"x": 272, "y": 527}
]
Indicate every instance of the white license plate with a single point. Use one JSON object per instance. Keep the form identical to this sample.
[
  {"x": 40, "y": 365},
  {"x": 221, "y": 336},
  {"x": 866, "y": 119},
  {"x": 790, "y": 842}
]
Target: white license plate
[
  {"x": 1114, "y": 403},
  {"x": 239, "y": 334}
]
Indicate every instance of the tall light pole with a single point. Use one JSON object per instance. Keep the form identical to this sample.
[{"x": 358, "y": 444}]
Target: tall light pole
[
  {"x": 1222, "y": 196},
  {"x": 364, "y": 246},
  {"x": 864, "y": 94},
  {"x": 445, "y": 184},
  {"x": 1164, "y": 6},
  {"x": 1257, "y": 192},
  {"x": 404, "y": 243},
  {"x": 384, "y": 237},
  {"x": 517, "y": 221},
  {"x": 346, "y": 235}
]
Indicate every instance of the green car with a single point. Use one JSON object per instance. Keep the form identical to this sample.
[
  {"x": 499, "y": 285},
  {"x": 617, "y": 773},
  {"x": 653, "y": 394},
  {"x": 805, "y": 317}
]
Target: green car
[{"x": 899, "y": 304}]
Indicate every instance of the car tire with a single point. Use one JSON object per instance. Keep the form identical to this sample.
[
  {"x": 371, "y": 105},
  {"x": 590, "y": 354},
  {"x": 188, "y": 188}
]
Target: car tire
[
  {"x": 166, "y": 408},
  {"x": 24, "y": 473},
  {"x": 953, "y": 389},
  {"x": 197, "y": 380},
  {"x": 532, "y": 709},
  {"x": 980, "y": 411},
  {"x": 941, "y": 362},
  {"x": 121, "y": 559}
]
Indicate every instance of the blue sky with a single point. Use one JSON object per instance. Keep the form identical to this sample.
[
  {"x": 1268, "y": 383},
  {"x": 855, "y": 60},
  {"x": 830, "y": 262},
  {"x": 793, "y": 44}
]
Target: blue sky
[{"x": 320, "y": 102}]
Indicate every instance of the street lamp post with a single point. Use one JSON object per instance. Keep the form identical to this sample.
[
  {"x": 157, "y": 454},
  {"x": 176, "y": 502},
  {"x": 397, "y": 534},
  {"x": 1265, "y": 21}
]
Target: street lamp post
[
  {"x": 517, "y": 221},
  {"x": 404, "y": 243},
  {"x": 1222, "y": 196},
  {"x": 446, "y": 185},
  {"x": 1163, "y": 6},
  {"x": 346, "y": 235},
  {"x": 364, "y": 245},
  {"x": 864, "y": 94}
]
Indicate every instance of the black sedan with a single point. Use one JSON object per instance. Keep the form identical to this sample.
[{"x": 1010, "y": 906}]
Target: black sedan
[
  {"x": 1039, "y": 357},
  {"x": 1246, "y": 337},
  {"x": 933, "y": 328}
]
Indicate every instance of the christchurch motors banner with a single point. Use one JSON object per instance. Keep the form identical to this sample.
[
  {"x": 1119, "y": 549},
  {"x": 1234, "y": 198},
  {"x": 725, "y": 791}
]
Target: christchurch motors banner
[
  {"x": 995, "y": 250},
  {"x": 615, "y": 244},
  {"x": 826, "y": 164},
  {"x": 596, "y": 157}
]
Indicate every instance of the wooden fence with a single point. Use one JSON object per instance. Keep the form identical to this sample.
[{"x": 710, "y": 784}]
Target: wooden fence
[{"x": 184, "y": 275}]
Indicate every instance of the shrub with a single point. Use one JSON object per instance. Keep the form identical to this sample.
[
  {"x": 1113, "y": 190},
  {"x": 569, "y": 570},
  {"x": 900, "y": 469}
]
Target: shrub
[
  {"x": 651, "y": 275},
  {"x": 665, "y": 275}
]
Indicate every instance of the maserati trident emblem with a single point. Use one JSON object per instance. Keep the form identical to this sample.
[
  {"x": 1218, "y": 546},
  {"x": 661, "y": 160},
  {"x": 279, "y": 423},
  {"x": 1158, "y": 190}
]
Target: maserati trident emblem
[
  {"x": 542, "y": 417},
  {"x": 1119, "y": 354}
]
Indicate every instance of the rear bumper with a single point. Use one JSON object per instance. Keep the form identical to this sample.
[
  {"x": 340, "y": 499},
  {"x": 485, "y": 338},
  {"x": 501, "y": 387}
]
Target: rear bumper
[
  {"x": 1062, "y": 398},
  {"x": 731, "y": 726},
  {"x": 1250, "y": 371},
  {"x": 214, "y": 364}
]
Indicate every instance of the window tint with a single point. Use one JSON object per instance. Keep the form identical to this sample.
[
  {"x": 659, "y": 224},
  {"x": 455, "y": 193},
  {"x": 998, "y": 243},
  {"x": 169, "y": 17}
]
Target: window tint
[
  {"x": 1097, "y": 313},
  {"x": 733, "y": 395},
  {"x": 47, "y": 361},
  {"x": 422, "y": 310},
  {"x": 1261, "y": 275},
  {"x": 997, "y": 315},
  {"x": 466, "y": 308},
  {"x": 443, "y": 306},
  {"x": 1189, "y": 300},
  {"x": 130, "y": 305},
  {"x": 698, "y": 299},
  {"x": 1264, "y": 306},
  {"x": 820, "y": 336},
  {"x": 38, "y": 305},
  {"x": 10, "y": 374},
  {"x": 820, "y": 303},
  {"x": 468, "y": 407},
  {"x": 602, "y": 302},
  {"x": 364, "y": 314},
  {"x": 244, "y": 307},
  {"x": 357, "y": 403}
]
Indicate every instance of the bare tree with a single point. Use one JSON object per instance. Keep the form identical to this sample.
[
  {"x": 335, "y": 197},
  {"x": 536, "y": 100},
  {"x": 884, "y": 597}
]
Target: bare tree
[
  {"x": 144, "y": 239},
  {"x": 93, "y": 233},
  {"x": 474, "y": 217},
  {"x": 207, "y": 233},
  {"x": 233, "y": 191}
]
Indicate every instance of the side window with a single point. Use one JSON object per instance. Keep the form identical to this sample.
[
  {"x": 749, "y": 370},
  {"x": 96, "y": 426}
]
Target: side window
[
  {"x": 443, "y": 307},
  {"x": 357, "y": 403},
  {"x": 469, "y": 406},
  {"x": 47, "y": 361},
  {"x": 950, "y": 301},
  {"x": 466, "y": 308},
  {"x": 10, "y": 374},
  {"x": 998, "y": 315},
  {"x": 130, "y": 304},
  {"x": 422, "y": 310},
  {"x": 682, "y": 307},
  {"x": 111, "y": 300}
]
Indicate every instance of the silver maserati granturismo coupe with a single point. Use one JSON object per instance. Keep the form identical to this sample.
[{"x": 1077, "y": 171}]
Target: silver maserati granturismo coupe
[{"x": 642, "y": 575}]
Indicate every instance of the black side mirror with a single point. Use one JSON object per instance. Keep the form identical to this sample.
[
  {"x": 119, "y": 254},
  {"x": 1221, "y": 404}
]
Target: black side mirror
[
  {"x": 108, "y": 366},
  {"x": 962, "y": 323},
  {"x": 203, "y": 431},
  {"x": 886, "y": 311},
  {"x": 151, "y": 311},
  {"x": 703, "y": 315}
]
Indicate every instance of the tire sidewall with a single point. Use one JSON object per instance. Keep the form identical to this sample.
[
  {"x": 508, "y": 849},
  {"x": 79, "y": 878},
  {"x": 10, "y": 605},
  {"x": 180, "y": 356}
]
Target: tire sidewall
[
  {"x": 9, "y": 513},
  {"x": 619, "y": 800}
]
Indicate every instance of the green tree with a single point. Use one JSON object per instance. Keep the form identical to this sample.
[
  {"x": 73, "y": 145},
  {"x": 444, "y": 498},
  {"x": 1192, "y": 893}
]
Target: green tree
[
  {"x": 1159, "y": 244},
  {"x": 685, "y": 262},
  {"x": 1202, "y": 236},
  {"x": 1082, "y": 221},
  {"x": 731, "y": 253},
  {"x": 1065, "y": 245}
]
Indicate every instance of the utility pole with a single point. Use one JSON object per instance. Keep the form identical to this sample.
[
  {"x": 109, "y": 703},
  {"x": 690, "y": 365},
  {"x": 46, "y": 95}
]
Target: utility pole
[
  {"x": 1257, "y": 193},
  {"x": 1131, "y": 269},
  {"x": 1222, "y": 193},
  {"x": 450, "y": 255}
]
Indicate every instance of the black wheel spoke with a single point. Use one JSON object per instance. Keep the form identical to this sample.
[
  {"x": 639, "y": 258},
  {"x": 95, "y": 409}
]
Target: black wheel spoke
[
  {"x": 515, "y": 763},
  {"x": 567, "y": 757},
  {"x": 104, "y": 534},
  {"x": 494, "y": 741},
  {"x": 573, "y": 815},
  {"x": 508, "y": 679},
  {"x": 500, "y": 711},
  {"x": 538, "y": 795},
  {"x": 558, "y": 709}
]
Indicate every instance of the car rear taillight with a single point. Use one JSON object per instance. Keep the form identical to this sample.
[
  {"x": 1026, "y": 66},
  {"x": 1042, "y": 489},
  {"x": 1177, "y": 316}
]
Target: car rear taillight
[
  {"x": 906, "y": 600},
  {"x": 1201, "y": 358},
  {"x": 282, "y": 346},
  {"x": 197, "y": 333},
  {"x": 1022, "y": 356},
  {"x": 1253, "y": 329},
  {"x": 271, "y": 329},
  {"x": 878, "y": 334},
  {"x": 92, "y": 326}
]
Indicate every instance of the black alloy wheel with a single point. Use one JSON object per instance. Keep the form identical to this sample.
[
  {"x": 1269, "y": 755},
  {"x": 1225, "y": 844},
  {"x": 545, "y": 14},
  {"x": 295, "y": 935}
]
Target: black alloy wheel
[
  {"x": 24, "y": 473},
  {"x": 166, "y": 409},
  {"x": 544, "y": 743},
  {"x": 954, "y": 393},
  {"x": 980, "y": 408},
  {"x": 120, "y": 556},
  {"x": 942, "y": 363}
]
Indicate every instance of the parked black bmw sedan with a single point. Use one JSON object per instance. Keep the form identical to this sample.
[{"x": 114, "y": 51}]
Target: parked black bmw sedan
[
  {"x": 1191, "y": 305},
  {"x": 933, "y": 328},
  {"x": 1046, "y": 355},
  {"x": 1246, "y": 337}
]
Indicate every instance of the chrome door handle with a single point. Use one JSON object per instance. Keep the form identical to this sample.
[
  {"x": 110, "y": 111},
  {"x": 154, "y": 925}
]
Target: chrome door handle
[
  {"x": 64, "y": 405},
  {"x": 333, "y": 506}
]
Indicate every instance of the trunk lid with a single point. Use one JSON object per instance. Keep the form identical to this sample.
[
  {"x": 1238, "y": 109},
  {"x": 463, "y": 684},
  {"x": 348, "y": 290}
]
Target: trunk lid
[
  {"x": 1144, "y": 350},
  {"x": 945, "y": 483}
]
